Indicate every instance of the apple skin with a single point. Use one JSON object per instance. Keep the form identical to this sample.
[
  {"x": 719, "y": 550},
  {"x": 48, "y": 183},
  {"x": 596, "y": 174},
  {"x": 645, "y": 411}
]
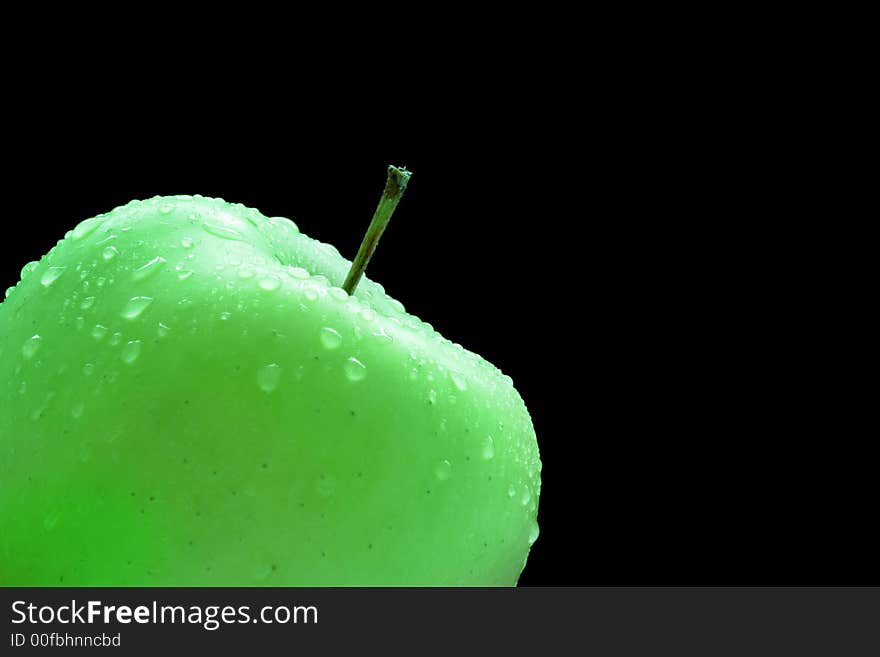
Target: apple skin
[{"x": 186, "y": 418}]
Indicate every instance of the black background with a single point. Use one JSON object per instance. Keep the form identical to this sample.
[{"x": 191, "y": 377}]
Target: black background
[{"x": 641, "y": 306}]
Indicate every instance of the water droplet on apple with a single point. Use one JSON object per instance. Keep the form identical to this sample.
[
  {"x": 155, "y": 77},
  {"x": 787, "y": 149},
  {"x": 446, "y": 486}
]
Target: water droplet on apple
[
  {"x": 526, "y": 495},
  {"x": 31, "y": 346},
  {"x": 184, "y": 274},
  {"x": 338, "y": 294},
  {"x": 51, "y": 275},
  {"x": 115, "y": 339},
  {"x": 396, "y": 305},
  {"x": 223, "y": 232},
  {"x": 330, "y": 338},
  {"x": 86, "y": 228},
  {"x": 533, "y": 532},
  {"x": 88, "y": 369},
  {"x": 298, "y": 272},
  {"x": 511, "y": 491},
  {"x": 99, "y": 331},
  {"x": 355, "y": 370},
  {"x": 328, "y": 249},
  {"x": 80, "y": 323},
  {"x": 268, "y": 377},
  {"x": 77, "y": 410},
  {"x": 368, "y": 314},
  {"x": 87, "y": 303},
  {"x": 186, "y": 243},
  {"x": 458, "y": 380},
  {"x": 149, "y": 269},
  {"x": 109, "y": 253},
  {"x": 488, "y": 451},
  {"x": 383, "y": 336},
  {"x": 432, "y": 396},
  {"x": 166, "y": 208},
  {"x": 162, "y": 331},
  {"x": 135, "y": 307},
  {"x": 311, "y": 294},
  {"x": 131, "y": 351},
  {"x": 51, "y": 520},
  {"x": 443, "y": 470},
  {"x": 284, "y": 223},
  {"x": 9, "y": 291},
  {"x": 28, "y": 268},
  {"x": 269, "y": 284}
]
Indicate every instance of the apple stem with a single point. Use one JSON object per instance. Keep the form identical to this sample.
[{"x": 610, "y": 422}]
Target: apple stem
[{"x": 394, "y": 188}]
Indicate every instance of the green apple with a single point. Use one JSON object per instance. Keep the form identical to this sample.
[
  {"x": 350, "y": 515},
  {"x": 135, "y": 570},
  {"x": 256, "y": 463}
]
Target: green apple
[{"x": 187, "y": 399}]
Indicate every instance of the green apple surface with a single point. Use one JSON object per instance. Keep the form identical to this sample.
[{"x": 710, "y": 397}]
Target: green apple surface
[{"x": 186, "y": 399}]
